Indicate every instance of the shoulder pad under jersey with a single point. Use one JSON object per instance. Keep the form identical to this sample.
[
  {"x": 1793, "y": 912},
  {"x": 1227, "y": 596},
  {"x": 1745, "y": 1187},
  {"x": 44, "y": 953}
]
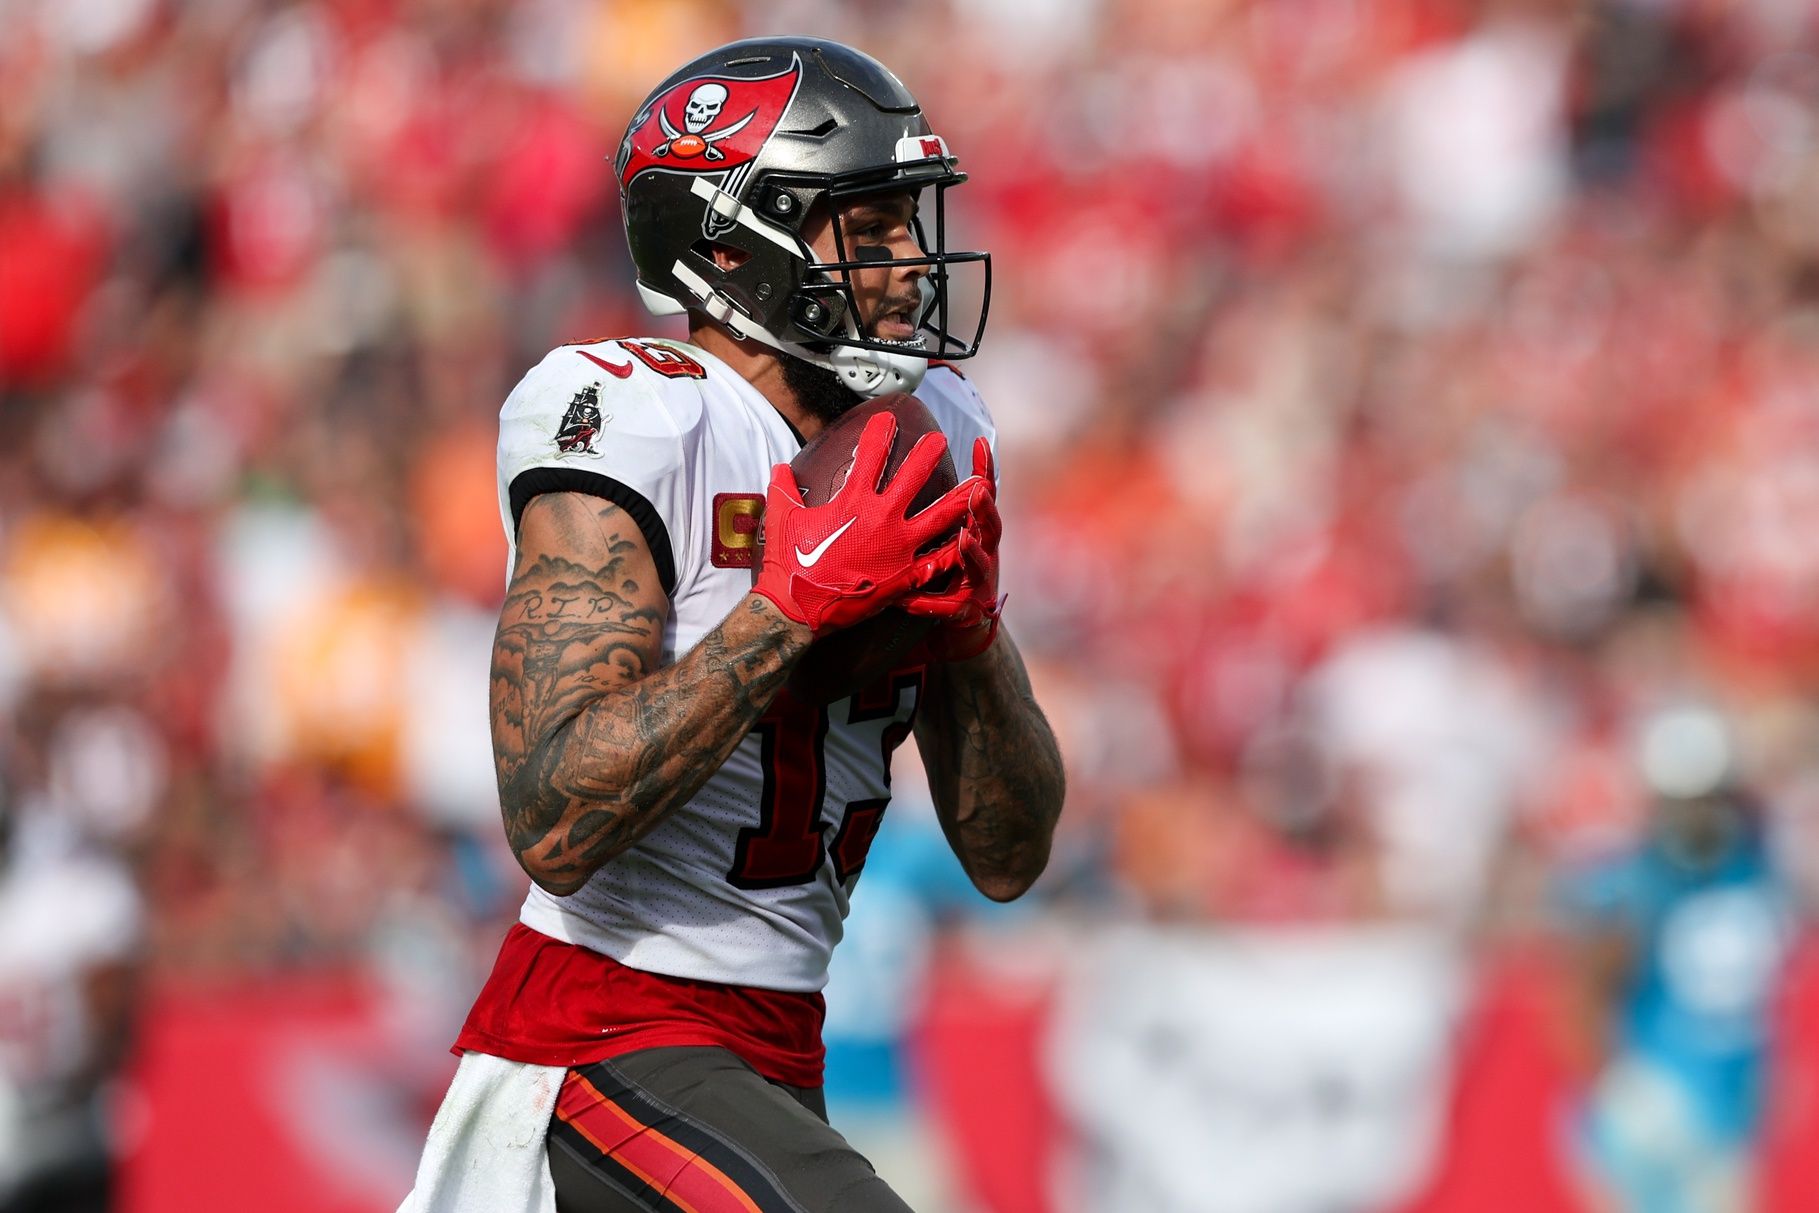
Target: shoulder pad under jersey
[{"x": 957, "y": 406}]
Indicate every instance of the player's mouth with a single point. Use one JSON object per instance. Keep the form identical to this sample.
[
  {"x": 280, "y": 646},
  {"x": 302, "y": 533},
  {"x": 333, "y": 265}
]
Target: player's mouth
[{"x": 897, "y": 324}]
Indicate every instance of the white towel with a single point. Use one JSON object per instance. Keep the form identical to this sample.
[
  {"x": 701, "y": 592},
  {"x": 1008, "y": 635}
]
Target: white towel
[{"x": 486, "y": 1151}]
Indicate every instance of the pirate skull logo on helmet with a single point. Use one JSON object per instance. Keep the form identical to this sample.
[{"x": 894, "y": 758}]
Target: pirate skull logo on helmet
[
  {"x": 704, "y": 105},
  {"x": 699, "y": 113}
]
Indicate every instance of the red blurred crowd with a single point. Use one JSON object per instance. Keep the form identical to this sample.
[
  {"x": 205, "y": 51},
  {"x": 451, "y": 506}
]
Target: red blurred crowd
[{"x": 1409, "y": 422}]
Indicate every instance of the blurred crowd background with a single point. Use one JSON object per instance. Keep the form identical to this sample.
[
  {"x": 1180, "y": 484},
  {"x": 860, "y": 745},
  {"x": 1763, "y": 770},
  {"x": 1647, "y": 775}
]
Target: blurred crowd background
[{"x": 1410, "y": 437}]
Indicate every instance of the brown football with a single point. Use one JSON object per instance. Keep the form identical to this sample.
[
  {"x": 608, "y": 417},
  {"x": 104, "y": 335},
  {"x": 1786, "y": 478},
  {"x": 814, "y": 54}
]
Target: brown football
[{"x": 845, "y": 661}]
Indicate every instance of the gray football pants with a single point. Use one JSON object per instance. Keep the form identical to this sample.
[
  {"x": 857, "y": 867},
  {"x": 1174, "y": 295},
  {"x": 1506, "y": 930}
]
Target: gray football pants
[{"x": 695, "y": 1128}]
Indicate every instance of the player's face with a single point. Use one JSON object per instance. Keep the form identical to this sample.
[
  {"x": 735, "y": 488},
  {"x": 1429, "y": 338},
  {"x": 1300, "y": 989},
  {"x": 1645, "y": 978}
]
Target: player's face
[{"x": 876, "y": 227}]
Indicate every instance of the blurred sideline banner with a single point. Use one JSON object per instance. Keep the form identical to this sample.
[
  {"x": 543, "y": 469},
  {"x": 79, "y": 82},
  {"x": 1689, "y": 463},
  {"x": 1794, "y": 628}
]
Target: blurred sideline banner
[
  {"x": 298, "y": 1095},
  {"x": 287, "y": 1097},
  {"x": 1790, "y": 1182},
  {"x": 1507, "y": 1124},
  {"x": 977, "y": 1052},
  {"x": 1502, "y": 1148}
]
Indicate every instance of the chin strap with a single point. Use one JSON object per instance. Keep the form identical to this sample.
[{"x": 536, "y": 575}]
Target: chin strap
[{"x": 869, "y": 373}]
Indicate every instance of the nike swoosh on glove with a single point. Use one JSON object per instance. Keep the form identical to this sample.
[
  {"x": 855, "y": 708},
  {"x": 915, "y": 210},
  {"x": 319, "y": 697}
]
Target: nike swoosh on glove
[
  {"x": 970, "y": 607},
  {"x": 830, "y": 566}
]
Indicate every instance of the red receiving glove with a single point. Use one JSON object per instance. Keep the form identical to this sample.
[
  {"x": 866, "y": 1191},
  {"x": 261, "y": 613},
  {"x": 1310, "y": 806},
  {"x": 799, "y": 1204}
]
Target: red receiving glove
[
  {"x": 830, "y": 566},
  {"x": 970, "y": 606}
]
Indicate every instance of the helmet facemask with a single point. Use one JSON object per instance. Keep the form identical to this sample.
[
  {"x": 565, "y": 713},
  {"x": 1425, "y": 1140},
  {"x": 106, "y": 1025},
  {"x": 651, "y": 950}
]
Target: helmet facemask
[
  {"x": 830, "y": 284},
  {"x": 783, "y": 295}
]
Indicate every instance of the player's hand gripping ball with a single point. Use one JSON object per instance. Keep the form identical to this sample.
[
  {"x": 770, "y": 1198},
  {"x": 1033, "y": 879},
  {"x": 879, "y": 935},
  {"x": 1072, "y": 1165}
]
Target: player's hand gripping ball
[
  {"x": 970, "y": 602},
  {"x": 865, "y": 520}
]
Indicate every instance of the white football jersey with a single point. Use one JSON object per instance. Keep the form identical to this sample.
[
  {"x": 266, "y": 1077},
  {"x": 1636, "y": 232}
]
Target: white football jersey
[{"x": 747, "y": 883}]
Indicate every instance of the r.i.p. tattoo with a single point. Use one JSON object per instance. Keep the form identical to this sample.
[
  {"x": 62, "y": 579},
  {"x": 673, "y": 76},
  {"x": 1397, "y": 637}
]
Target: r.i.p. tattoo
[{"x": 593, "y": 742}]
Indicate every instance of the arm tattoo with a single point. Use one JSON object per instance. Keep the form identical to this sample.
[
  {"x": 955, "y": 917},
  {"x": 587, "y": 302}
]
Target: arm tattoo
[
  {"x": 593, "y": 743},
  {"x": 994, "y": 768}
]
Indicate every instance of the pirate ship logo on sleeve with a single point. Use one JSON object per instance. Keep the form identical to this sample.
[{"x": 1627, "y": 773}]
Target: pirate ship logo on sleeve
[
  {"x": 707, "y": 124},
  {"x": 581, "y": 423}
]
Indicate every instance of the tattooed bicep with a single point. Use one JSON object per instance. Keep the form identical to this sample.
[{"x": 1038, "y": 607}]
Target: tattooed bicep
[{"x": 584, "y": 613}]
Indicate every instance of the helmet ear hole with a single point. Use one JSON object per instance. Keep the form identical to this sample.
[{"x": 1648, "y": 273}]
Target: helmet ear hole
[{"x": 723, "y": 256}]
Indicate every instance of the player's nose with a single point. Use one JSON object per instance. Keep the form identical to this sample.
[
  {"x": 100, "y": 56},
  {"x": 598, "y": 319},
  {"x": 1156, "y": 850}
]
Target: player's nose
[{"x": 907, "y": 247}]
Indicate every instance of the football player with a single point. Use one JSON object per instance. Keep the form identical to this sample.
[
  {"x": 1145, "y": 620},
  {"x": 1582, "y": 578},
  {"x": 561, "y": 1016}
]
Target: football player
[
  {"x": 71, "y": 924},
  {"x": 650, "y": 1036}
]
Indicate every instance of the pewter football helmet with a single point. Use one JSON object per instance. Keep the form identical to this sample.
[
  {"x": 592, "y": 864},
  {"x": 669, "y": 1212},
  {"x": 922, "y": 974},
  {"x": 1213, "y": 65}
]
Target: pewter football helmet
[{"x": 734, "y": 149}]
